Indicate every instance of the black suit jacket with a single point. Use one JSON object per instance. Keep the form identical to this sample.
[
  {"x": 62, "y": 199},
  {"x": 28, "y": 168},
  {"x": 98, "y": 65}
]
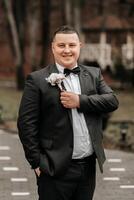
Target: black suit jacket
[{"x": 45, "y": 126}]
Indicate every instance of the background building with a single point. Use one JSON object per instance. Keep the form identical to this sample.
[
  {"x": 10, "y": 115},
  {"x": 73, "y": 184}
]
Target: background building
[{"x": 106, "y": 27}]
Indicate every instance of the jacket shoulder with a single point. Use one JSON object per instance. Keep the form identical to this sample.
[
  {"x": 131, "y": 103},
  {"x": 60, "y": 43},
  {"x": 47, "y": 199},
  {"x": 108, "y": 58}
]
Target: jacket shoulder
[
  {"x": 38, "y": 76},
  {"x": 94, "y": 71},
  {"x": 39, "y": 72}
]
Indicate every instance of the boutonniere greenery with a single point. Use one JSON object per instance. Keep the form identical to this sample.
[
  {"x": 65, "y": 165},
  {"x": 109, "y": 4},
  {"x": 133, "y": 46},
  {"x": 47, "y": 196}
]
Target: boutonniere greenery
[{"x": 56, "y": 79}]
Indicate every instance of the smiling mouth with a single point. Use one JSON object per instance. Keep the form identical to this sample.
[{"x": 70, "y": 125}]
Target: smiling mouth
[{"x": 67, "y": 56}]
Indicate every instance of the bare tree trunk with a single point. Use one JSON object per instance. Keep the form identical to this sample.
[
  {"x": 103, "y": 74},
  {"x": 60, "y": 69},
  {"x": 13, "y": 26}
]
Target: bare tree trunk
[
  {"x": 16, "y": 44},
  {"x": 68, "y": 12},
  {"x": 77, "y": 16},
  {"x": 14, "y": 32},
  {"x": 19, "y": 13},
  {"x": 33, "y": 21},
  {"x": 100, "y": 7},
  {"x": 46, "y": 11}
]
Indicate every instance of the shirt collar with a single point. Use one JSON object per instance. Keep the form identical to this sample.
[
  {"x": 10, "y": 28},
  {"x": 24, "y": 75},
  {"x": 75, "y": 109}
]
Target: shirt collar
[{"x": 61, "y": 68}]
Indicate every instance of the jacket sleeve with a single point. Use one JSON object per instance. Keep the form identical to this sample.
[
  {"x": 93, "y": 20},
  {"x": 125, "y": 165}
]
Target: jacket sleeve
[
  {"x": 28, "y": 122},
  {"x": 103, "y": 102}
]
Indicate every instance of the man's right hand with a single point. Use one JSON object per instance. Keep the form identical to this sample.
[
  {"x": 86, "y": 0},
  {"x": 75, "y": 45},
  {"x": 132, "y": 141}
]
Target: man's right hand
[{"x": 37, "y": 171}]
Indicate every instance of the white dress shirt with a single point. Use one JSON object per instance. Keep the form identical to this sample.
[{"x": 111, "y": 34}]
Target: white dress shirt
[{"x": 82, "y": 142}]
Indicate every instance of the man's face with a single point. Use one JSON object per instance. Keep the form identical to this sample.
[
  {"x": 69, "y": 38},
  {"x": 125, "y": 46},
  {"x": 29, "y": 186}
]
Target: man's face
[{"x": 66, "y": 49}]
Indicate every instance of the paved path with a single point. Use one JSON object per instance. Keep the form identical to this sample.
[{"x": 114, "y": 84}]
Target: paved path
[
  {"x": 117, "y": 181},
  {"x": 17, "y": 181}
]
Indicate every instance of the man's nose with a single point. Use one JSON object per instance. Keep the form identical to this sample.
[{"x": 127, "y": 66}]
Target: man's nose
[{"x": 66, "y": 49}]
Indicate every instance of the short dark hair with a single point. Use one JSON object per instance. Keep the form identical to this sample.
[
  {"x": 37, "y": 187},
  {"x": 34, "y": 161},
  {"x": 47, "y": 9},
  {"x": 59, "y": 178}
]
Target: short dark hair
[{"x": 66, "y": 29}]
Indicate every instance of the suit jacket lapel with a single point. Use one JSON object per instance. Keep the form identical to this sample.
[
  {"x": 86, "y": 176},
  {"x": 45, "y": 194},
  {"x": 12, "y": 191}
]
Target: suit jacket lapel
[
  {"x": 84, "y": 80},
  {"x": 53, "y": 69}
]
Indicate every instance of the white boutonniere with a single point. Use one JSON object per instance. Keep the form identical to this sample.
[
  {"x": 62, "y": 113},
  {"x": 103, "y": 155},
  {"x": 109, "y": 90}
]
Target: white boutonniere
[{"x": 56, "y": 79}]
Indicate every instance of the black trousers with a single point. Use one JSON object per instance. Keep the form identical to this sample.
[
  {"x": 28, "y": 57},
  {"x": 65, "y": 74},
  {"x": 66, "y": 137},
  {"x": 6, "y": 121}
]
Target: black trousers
[{"x": 78, "y": 183}]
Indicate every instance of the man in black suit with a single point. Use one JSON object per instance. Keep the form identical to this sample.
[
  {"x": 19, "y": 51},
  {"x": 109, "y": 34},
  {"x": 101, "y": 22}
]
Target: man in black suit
[{"x": 60, "y": 121}]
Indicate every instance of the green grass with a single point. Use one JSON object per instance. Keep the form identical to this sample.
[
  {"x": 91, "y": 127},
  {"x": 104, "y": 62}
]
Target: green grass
[
  {"x": 10, "y": 100},
  {"x": 125, "y": 112},
  {"x": 126, "y": 106}
]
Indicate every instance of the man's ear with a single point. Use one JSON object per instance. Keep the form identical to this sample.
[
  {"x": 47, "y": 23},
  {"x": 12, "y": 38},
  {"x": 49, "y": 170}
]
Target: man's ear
[{"x": 81, "y": 44}]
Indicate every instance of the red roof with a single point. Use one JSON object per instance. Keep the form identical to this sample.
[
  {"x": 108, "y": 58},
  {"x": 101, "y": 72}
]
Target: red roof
[{"x": 109, "y": 22}]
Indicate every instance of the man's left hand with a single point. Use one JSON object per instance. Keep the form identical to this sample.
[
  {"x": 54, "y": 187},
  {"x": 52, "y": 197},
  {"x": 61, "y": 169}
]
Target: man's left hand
[{"x": 70, "y": 99}]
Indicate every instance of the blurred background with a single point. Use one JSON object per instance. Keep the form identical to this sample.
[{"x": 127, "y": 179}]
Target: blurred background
[
  {"x": 106, "y": 28},
  {"x": 107, "y": 32}
]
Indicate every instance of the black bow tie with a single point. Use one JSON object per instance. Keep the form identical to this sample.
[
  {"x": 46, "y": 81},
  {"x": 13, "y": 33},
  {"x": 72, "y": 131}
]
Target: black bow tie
[{"x": 76, "y": 70}]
